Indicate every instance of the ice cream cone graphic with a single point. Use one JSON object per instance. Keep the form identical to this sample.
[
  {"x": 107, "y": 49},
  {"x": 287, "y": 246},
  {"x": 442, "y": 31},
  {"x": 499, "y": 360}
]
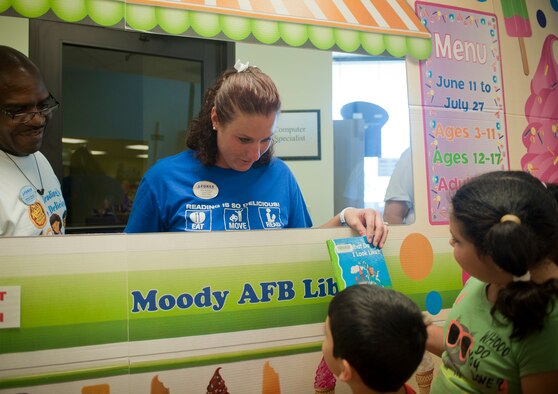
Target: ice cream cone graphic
[
  {"x": 424, "y": 380},
  {"x": 270, "y": 384},
  {"x": 425, "y": 374},
  {"x": 324, "y": 381}
]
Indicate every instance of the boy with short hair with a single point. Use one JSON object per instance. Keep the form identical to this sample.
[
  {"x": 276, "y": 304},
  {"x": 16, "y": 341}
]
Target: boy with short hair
[{"x": 375, "y": 339}]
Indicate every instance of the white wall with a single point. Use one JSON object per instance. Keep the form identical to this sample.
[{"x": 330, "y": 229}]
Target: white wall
[
  {"x": 303, "y": 77},
  {"x": 14, "y": 32}
]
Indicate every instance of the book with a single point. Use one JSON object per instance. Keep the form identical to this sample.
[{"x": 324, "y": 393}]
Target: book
[{"x": 355, "y": 261}]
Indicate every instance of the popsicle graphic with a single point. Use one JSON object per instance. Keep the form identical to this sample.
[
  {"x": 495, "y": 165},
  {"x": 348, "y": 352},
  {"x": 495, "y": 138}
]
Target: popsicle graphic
[
  {"x": 270, "y": 383},
  {"x": 517, "y": 23}
]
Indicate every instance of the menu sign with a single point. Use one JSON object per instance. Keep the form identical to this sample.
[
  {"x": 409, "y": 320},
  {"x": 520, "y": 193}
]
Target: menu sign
[{"x": 462, "y": 101}]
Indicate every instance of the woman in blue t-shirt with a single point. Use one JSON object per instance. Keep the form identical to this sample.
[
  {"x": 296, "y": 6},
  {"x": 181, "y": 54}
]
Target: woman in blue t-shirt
[{"x": 229, "y": 179}]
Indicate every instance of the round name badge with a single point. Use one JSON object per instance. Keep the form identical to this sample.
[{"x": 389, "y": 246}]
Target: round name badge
[
  {"x": 28, "y": 195},
  {"x": 205, "y": 190}
]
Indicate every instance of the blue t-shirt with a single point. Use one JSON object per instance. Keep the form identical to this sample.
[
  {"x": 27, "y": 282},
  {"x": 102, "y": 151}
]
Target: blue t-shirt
[{"x": 180, "y": 194}]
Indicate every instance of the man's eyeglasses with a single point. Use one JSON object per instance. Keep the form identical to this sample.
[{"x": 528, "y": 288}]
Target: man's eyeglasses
[{"x": 45, "y": 109}]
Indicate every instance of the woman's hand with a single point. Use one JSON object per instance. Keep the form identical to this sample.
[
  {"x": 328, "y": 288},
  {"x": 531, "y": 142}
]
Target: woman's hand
[
  {"x": 368, "y": 222},
  {"x": 365, "y": 221}
]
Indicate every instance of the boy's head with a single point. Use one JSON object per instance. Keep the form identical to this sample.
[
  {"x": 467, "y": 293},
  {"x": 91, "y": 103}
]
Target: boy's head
[{"x": 376, "y": 332}]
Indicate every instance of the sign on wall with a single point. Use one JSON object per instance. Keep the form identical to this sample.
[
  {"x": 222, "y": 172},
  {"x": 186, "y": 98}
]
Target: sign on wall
[
  {"x": 463, "y": 102},
  {"x": 297, "y": 135},
  {"x": 10, "y": 306}
]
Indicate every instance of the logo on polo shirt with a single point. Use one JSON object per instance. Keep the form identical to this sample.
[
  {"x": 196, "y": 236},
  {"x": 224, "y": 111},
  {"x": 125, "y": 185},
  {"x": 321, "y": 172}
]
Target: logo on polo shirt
[
  {"x": 236, "y": 219},
  {"x": 198, "y": 220},
  {"x": 270, "y": 217}
]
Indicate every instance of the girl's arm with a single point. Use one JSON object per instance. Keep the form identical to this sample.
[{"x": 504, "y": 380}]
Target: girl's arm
[
  {"x": 435, "y": 340},
  {"x": 540, "y": 383}
]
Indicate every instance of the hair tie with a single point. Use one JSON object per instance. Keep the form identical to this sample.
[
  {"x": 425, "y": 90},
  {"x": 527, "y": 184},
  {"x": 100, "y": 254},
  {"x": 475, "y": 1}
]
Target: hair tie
[
  {"x": 523, "y": 278},
  {"x": 239, "y": 66},
  {"x": 510, "y": 218}
]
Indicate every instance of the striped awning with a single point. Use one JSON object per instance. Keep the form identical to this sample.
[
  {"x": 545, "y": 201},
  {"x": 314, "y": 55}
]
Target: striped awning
[
  {"x": 376, "y": 26},
  {"x": 392, "y": 17},
  {"x": 367, "y": 26}
]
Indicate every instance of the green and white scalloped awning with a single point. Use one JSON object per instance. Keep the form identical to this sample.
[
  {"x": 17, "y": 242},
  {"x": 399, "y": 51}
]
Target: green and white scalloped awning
[{"x": 368, "y": 26}]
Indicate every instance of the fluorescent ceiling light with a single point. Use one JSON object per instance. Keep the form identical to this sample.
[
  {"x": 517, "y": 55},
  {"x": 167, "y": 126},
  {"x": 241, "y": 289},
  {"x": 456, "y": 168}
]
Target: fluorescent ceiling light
[
  {"x": 138, "y": 147},
  {"x": 73, "y": 141},
  {"x": 98, "y": 152},
  {"x": 142, "y": 156}
]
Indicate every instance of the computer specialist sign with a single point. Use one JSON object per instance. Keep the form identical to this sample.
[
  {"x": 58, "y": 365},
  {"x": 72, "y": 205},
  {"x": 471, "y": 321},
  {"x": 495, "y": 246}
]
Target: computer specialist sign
[{"x": 297, "y": 135}]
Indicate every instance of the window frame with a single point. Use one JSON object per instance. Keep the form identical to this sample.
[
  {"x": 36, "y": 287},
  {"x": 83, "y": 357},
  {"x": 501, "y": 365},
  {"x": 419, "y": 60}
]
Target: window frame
[{"x": 46, "y": 40}]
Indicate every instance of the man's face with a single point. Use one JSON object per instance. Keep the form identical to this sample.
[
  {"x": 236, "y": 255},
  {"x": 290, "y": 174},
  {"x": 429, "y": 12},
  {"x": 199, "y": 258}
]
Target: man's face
[{"x": 22, "y": 92}]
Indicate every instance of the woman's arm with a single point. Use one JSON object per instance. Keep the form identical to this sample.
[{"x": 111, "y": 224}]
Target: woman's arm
[{"x": 395, "y": 212}]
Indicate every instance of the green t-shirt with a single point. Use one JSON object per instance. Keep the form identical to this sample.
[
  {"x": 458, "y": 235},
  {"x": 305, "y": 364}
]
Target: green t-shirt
[{"x": 479, "y": 356}]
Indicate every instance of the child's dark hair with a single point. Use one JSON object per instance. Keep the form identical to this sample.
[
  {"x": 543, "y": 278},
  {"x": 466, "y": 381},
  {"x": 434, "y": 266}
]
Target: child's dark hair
[
  {"x": 553, "y": 189},
  {"x": 515, "y": 246},
  {"x": 380, "y": 332},
  {"x": 250, "y": 92}
]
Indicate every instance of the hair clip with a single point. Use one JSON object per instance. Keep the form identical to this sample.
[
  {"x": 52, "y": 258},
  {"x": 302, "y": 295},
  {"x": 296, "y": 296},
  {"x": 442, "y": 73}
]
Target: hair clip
[
  {"x": 510, "y": 218},
  {"x": 239, "y": 66},
  {"x": 523, "y": 278}
]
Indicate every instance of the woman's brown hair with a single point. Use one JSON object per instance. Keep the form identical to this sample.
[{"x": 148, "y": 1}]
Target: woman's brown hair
[{"x": 250, "y": 92}]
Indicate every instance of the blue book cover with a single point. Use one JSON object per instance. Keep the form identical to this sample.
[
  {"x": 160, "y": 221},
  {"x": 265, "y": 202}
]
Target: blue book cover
[{"x": 356, "y": 261}]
